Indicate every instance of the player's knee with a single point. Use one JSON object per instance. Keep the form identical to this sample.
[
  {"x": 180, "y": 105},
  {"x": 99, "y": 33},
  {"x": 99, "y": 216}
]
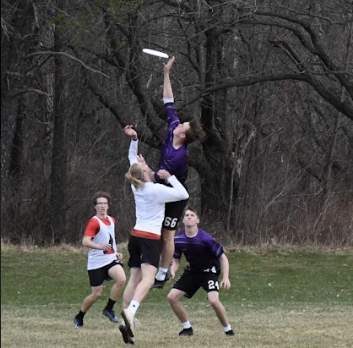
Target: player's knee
[
  {"x": 214, "y": 302},
  {"x": 172, "y": 298},
  {"x": 97, "y": 294},
  {"x": 121, "y": 282}
]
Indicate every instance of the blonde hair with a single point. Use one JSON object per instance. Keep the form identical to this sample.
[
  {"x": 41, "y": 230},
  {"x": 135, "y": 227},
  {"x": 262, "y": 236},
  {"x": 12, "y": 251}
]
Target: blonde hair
[{"x": 135, "y": 175}]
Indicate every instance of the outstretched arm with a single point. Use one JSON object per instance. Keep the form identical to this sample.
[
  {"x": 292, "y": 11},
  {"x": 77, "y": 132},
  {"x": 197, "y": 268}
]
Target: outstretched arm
[
  {"x": 166, "y": 194},
  {"x": 130, "y": 132},
  {"x": 167, "y": 87}
]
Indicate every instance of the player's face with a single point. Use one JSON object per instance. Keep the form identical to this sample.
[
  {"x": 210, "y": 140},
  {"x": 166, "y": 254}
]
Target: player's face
[
  {"x": 101, "y": 206},
  {"x": 146, "y": 169},
  {"x": 144, "y": 166},
  {"x": 181, "y": 129},
  {"x": 190, "y": 219}
]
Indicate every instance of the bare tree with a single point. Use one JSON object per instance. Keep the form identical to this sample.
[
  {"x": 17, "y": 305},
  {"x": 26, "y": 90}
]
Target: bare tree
[{"x": 270, "y": 80}]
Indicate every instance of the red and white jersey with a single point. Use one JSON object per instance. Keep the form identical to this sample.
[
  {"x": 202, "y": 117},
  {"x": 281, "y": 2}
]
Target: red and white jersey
[{"x": 102, "y": 231}]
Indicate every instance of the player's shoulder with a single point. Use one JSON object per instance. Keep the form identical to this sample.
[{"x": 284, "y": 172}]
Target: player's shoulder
[
  {"x": 204, "y": 234},
  {"x": 151, "y": 188},
  {"x": 180, "y": 234},
  {"x": 93, "y": 220},
  {"x": 113, "y": 219},
  {"x": 201, "y": 231}
]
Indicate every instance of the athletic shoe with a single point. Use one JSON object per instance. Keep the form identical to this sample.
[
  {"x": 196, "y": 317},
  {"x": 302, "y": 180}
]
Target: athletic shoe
[
  {"x": 230, "y": 333},
  {"x": 159, "y": 284},
  {"x": 111, "y": 315},
  {"x": 126, "y": 337},
  {"x": 129, "y": 321},
  {"x": 78, "y": 323},
  {"x": 186, "y": 332}
]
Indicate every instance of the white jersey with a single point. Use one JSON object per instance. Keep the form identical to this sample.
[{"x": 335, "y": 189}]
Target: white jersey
[
  {"x": 150, "y": 199},
  {"x": 98, "y": 258}
]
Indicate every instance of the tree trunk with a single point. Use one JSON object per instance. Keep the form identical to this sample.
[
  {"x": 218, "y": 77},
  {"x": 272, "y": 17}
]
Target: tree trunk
[{"x": 57, "y": 225}]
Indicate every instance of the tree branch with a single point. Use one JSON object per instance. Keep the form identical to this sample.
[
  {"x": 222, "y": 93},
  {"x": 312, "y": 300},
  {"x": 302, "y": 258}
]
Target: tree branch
[
  {"x": 50, "y": 53},
  {"x": 345, "y": 107},
  {"x": 301, "y": 29},
  {"x": 30, "y": 90}
]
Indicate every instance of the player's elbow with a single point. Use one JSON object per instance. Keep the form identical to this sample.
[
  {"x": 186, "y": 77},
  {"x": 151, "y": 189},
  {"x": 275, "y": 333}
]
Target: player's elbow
[
  {"x": 85, "y": 241},
  {"x": 184, "y": 195}
]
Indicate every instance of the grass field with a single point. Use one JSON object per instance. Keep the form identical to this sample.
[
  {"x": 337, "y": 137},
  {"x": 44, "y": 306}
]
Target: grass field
[{"x": 282, "y": 297}]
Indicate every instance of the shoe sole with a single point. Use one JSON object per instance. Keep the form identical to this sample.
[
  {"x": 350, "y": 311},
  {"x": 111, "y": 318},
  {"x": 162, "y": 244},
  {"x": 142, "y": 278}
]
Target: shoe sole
[
  {"x": 158, "y": 286},
  {"x": 126, "y": 338},
  {"x": 128, "y": 324},
  {"x": 186, "y": 333}
]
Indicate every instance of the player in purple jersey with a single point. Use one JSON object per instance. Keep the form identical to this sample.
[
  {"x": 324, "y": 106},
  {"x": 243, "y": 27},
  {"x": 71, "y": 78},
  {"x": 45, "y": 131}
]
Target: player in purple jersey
[
  {"x": 174, "y": 159},
  {"x": 206, "y": 260}
]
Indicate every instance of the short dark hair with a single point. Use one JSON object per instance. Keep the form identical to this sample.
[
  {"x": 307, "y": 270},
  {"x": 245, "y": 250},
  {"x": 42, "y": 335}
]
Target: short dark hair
[
  {"x": 195, "y": 132},
  {"x": 191, "y": 209},
  {"x": 101, "y": 194}
]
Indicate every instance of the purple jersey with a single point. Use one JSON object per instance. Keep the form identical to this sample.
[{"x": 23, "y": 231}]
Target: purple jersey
[
  {"x": 202, "y": 252},
  {"x": 175, "y": 161}
]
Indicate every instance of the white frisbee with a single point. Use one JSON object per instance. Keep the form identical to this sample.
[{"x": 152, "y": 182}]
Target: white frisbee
[{"x": 155, "y": 53}]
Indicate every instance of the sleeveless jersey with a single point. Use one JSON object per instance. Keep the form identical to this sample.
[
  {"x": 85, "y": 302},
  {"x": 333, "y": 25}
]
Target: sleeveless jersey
[{"x": 99, "y": 258}]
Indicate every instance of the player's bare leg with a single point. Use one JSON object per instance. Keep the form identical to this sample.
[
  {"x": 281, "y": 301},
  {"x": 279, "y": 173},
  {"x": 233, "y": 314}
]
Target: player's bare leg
[{"x": 166, "y": 258}]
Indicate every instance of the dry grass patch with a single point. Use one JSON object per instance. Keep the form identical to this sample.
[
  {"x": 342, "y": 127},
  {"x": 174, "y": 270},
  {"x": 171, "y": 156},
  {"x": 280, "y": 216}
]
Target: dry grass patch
[{"x": 266, "y": 328}]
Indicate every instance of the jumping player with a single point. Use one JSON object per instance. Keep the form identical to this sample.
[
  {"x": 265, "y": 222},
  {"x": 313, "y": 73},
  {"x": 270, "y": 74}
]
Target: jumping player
[
  {"x": 174, "y": 159},
  {"x": 144, "y": 240}
]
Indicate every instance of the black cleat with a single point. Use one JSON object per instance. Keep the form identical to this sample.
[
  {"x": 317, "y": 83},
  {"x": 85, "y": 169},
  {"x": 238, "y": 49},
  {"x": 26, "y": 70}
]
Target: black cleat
[
  {"x": 159, "y": 284},
  {"x": 126, "y": 337},
  {"x": 230, "y": 333},
  {"x": 129, "y": 322},
  {"x": 78, "y": 323},
  {"x": 186, "y": 332}
]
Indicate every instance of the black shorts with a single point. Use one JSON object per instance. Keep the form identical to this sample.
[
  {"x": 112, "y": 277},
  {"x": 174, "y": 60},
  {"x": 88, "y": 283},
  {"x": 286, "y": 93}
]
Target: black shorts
[
  {"x": 143, "y": 250},
  {"x": 190, "y": 282},
  {"x": 173, "y": 213},
  {"x": 99, "y": 275}
]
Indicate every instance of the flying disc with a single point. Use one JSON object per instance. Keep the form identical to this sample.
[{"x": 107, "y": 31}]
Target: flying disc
[{"x": 155, "y": 53}]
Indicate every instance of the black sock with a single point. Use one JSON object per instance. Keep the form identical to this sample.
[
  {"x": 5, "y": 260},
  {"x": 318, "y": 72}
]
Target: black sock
[
  {"x": 80, "y": 315},
  {"x": 110, "y": 304}
]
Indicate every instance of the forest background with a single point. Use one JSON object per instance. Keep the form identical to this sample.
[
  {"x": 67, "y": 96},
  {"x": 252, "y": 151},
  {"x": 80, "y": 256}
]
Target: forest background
[{"x": 271, "y": 81}]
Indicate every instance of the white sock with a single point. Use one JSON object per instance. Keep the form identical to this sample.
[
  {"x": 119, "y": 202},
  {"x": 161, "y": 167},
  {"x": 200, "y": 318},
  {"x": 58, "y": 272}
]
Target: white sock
[
  {"x": 186, "y": 325},
  {"x": 161, "y": 273},
  {"x": 227, "y": 328},
  {"x": 133, "y": 307}
]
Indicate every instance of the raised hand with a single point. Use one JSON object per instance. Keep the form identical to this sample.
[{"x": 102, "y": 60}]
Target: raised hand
[
  {"x": 129, "y": 131},
  {"x": 169, "y": 65}
]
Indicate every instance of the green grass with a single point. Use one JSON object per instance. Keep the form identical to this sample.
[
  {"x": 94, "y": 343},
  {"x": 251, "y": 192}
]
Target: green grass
[{"x": 281, "y": 297}]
